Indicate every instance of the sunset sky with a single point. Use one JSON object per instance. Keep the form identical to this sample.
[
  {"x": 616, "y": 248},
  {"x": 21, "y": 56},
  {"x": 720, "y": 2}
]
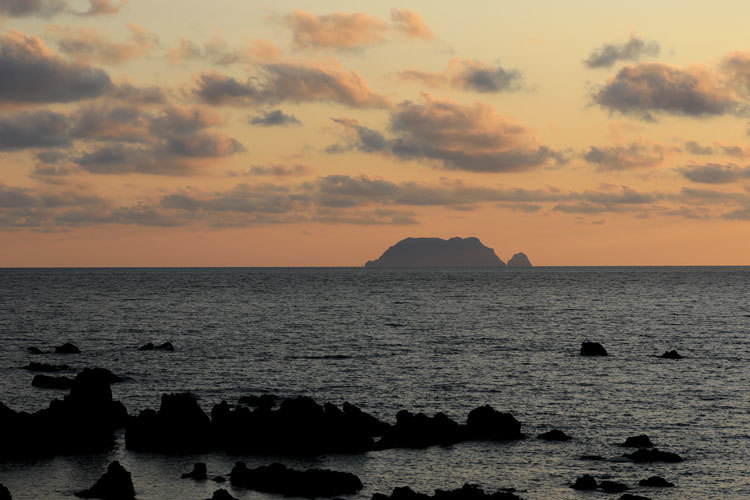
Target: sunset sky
[{"x": 255, "y": 133}]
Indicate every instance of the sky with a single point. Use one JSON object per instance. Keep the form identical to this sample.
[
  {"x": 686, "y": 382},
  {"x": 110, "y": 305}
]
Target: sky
[{"x": 255, "y": 133}]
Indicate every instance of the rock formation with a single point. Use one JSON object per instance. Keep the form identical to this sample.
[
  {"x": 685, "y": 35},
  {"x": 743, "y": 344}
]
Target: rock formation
[
  {"x": 519, "y": 260},
  {"x": 436, "y": 252},
  {"x": 311, "y": 483},
  {"x": 115, "y": 484}
]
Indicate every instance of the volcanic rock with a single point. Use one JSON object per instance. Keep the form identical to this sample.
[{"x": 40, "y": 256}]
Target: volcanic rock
[
  {"x": 466, "y": 492},
  {"x": 613, "y": 487},
  {"x": 436, "y": 252},
  {"x": 487, "y": 423},
  {"x": 656, "y": 481},
  {"x": 585, "y": 482},
  {"x": 67, "y": 348},
  {"x": 671, "y": 355},
  {"x": 262, "y": 401},
  {"x": 47, "y": 382},
  {"x": 4, "y": 493},
  {"x": 639, "y": 441},
  {"x": 115, "y": 484},
  {"x": 644, "y": 455},
  {"x": 519, "y": 260},
  {"x": 277, "y": 478},
  {"x": 199, "y": 472},
  {"x": 593, "y": 349},
  {"x": 554, "y": 435},
  {"x": 420, "y": 431},
  {"x": 222, "y": 494},
  {"x": 628, "y": 496}
]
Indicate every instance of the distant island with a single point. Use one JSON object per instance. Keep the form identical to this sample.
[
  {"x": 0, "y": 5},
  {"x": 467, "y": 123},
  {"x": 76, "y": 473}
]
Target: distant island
[{"x": 437, "y": 252}]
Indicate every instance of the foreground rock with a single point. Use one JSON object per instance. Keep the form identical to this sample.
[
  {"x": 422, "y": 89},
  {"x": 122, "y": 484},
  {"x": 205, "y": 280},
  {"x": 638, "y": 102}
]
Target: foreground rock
[
  {"x": 84, "y": 421},
  {"x": 222, "y": 494},
  {"x": 262, "y": 401},
  {"x": 519, "y": 260},
  {"x": 628, "y": 496},
  {"x": 115, "y": 484},
  {"x": 180, "y": 426},
  {"x": 671, "y": 355},
  {"x": 436, "y": 252},
  {"x": 47, "y": 382},
  {"x": 554, "y": 435},
  {"x": 593, "y": 349},
  {"x": 466, "y": 492},
  {"x": 585, "y": 483},
  {"x": 46, "y": 368},
  {"x": 644, "y": 455},
  {"x": 67, "y": 348},
  {"x": 312, "y": 483},
  {"x": 655, "y": 482},
  {"x": 4, "y": 493},
  {"x": 199, "y": 472},
  {"x": 639, "y": 441},
  {"x": 613, "y": 487}
]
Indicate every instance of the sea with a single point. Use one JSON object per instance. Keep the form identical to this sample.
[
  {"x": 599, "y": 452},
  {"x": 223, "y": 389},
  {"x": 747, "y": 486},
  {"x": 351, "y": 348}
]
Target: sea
[{"x": 424, "y": 340}]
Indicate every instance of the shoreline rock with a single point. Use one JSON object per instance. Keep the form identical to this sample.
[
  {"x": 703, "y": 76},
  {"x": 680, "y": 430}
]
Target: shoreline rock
[
  {"x": 466, "y": 492},
  {"x": 593, "y": 349},
  {"x": 115, "y": 484},
  {"x": 47, "y": 382},
  {"x": 67, "y": 348},
  {"x": 311, "y": 483}
]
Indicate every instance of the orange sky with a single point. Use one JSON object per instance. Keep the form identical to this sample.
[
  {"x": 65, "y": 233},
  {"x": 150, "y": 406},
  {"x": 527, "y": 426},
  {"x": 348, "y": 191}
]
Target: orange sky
[{"x": 319, "y": 134}]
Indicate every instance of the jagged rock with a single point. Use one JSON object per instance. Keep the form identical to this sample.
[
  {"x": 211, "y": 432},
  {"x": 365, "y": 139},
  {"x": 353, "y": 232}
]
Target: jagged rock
[
  {"x": 613, "y": 487},
  {"x": 46, "y": 368},
  {"x": 4, "y": 493},
  {"x": 485, "y": 422},
  {"x": 466, "y": 492},
  {"x": 199, "y": 472},
  {"x": 180, "y": 426},
  {"x": 639, "y": 441},
  {"x": 656, "y": 482},
  {"x": 628, "y": 496},
  {"x": 34, "y": 350},
  {"x": 102, "y": 374},
  {"x": 166, "y": 346},
  {"x": 420, "y": 431},
  {"x": 115, "y": 484},
  {"x": 67, "y": 348},
  {"x": 47, "y": 382},
  {"x": 554, "y": 435},
  {"x": 519, "y": 260},
  {"x": 262, "y": 401},
  {"x": 147, "y": 347},
  {"x": 644, "y": 455},
  {"x": 671, "y": 355},
  {"x": 436, "y": 252},
  {"x": 585, "y": 483},
  {"x": 222, "y": 494},
  {"x": 277, "y": 478},
  {"x": 593, "y": 349}
]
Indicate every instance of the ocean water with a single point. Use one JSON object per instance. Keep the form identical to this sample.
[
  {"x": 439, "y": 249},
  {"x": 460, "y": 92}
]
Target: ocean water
[{"x": 424, "y": 340}]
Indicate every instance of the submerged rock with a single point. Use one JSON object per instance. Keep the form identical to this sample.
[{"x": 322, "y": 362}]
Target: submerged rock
[
  {"x": 639, "y": 441},
  {"x": 47, "y": 382},
  {"x": 34, "y": 350},
  {"x": 466, "y": 492},
  {"x": 584, "y": 483},
  {"x": 47, "y": 368},
  {"x": 180, "y": 426},
  {"x": 166, "y": 346},
  {"x": 199, "y": 472},
  {"x": 115, "y": 484},
  {"x": 554, "y": 435},
  {"x": 67, "y": 348},
  {"x": 593, "y": 349},
  {"x": 147, "y": 347},
  {"x": 671, "y": 355},
  {"x": 656, "y": 482},
  {"x": 613, "y": 487},
  {"x": 519, "y": 260},
  {"x": 644, "y": 455},
  {"x": 277, "y": 478}
]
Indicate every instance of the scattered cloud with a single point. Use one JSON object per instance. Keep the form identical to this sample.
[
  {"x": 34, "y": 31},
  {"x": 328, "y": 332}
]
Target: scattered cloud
[
  {"x": 634, "y": 155},
  {"x": 469, "y": 75},
  {"x": 219, "y": 53},
  {"x": 410, "y": 24},
  {"x": 49, "y": 8},
  {"x": 99, "y": 7},
  {"x": 39, "y": 129},
  {"x": 635, "y": 49},
  {"x": 714, "y": 173},
  {"x": 694, "y": 148},
  {"x": 274, "y": 118},
  {"x": 274, "y": 170},
  {"x": 338, "y": 30},
  {"x": 86, "y": 45}
]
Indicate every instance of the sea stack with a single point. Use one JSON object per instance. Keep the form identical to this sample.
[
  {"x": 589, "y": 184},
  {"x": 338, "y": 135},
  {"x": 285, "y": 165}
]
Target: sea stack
[
  {"x": 437, "y": 252},
  {"x": 519, "y": 260}
]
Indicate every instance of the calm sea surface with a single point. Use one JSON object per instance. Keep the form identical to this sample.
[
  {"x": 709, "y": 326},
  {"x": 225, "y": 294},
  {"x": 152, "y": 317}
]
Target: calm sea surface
[{"x": 422, "y": 340}]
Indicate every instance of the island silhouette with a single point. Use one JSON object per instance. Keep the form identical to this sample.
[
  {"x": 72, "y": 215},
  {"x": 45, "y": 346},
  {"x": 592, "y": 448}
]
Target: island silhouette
[{"x": 437, "y": 252}]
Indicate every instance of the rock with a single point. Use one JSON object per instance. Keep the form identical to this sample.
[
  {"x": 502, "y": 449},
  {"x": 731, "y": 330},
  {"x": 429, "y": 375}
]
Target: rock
[
  {"x": 644, "y": 455},
  {"x": 115, "y": 484},
  {"x": 519, "y": 260},
  {"x": 166, "y": 346},
  {"x": 67, "y": 348},
  {"x": 262, "y": 401},
  {"x": 219, "y": 479},
  {"x": 47, "y": 382},
  {"x": 639, "y": 441},
  {"x": 592, "y": 457},
  {"x": 436, "y": 252},
  {"x": 102, "y": 374},
  {"x": 585, "y": 483},
  {"x": 485, "y": 422},
  {"x": 4, "y": 493},
  {"x": 34, "y": 350},
  {"x": 222, "y": 494},
  {"x": 420, "y": 431},
  {"x": 180, "y": 426},
  {"x": 671, "y": 355},
  {"x": 47, "y": 368},
  {"x": 466, "y": 492},
  {"x": 147, "y": 347},
  {"x": 554, "y": 435},
  {"x": 199, "y": 472},
  {"x": 656, "y": 482},
  {"x": 613, "y": 487},
  {"x": 593, "y": 349},
  {"x": 277, "y": 478},
  {"x": 628, "y": 496}
]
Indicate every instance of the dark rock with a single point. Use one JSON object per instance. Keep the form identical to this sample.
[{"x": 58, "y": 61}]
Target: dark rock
[
  {"x": 656, "y": 481},
  {"x": 554, "y": 435},
  {"x": 639, "y": 441},
  {"x": 180, "y": 426},
  {"x": 147, "y": 347},
  {"x": 263, "y": 401},
  {"x": 628, "y": 496},
  {"x": 593, "y": 349},
  {"x": 67, "y": 348},
  {"x": 47, "y": 368},
  {"x": 436, "y": 252},
  {"x": 613, "y": 487},
  {"x": 466, "y": 492},
  {"x": 487, "y": 423},
  {"x": 671, "y": 355},
  {"x": 222, "y": 494},
  {"x": 585, "y": 482},
  {"x": 115, "y": 484},
  {"x": 34, "y": 350},
  {"x": 592, "y": 457},
  {"x": 519, "y": 260},
  {"x": 4, "y": 493},
  {"x": 47, "y": 382},
  {"x": 166, "y": 346},
  {"x": 420, "y": 431},
  {"x": 644, "y": 455},
  {"x": 102, "y": 374},
  {"x": 277, "y": 478},
  {"x": 219, "y": 479},
  {"x": 199, "y": 472}
]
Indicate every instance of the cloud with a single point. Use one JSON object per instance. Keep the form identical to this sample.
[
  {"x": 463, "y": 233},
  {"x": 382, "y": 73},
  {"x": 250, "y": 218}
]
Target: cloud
[
  {"x": 289, "y": 82},
  {"x": 624, "y": 157},
  {"x": 275, "y": 118},
  {"x": 455, "y": 136},
  {"x": 275, "y": 170},
  {"x": 410, "y": 24},
  {"x": 218, "y": 52},
  {"x": 86, "y": 45},
  {"x": 136, "y": 96},
  {"x": 99, "y": 7},
  {"x": 714, "y": 173},
  {"x": 614, "y": 199},
  {"x": 634, "y": 49},
  {"x": 739, "y": 214},
  {"x": 32, "y": 73},
  {"x": 40, "y": 129},
  {"x": 338, "y": 30},
  {"x": 48, "y": 8},
  {"x": 737, "y": 66},
  {"x": 469, "y": 75},
  {"x": 649, "y": 88},
  {"x": 717, "y": 149},
  {"x": 694, "y": 148}
]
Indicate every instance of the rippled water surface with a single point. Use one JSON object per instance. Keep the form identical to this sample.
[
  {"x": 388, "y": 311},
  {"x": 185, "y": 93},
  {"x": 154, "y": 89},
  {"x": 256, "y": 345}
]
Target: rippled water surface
[{"x": 427, "y": 340}]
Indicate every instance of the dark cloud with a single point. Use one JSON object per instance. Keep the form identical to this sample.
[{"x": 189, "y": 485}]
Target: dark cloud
[
  {"x": 739, "y": 214},
  {"x": 40, "y": 8},
  {"x": 31, "y": 73},
  {"x": 611, "y": 200},
  {"x": 469, "y": 75},
  {"x": 624, "y": 157},
  {"x": 634, "y": 49},
  {"x": 644, "y": 89},
  {"x": 217, "y": 89},
  {"x": 40, "y": 129},
  {"x": 714, "y": 173},
  {"x": 139, "y": 95},
  {"x": 275, "y": 170},
  {"x": 694, "y": 148},
  {"x": 275, "y": 118}
]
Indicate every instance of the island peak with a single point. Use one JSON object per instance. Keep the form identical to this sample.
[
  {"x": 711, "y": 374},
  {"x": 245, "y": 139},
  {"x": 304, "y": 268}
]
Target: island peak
[{"x": 437, "y": 252}]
